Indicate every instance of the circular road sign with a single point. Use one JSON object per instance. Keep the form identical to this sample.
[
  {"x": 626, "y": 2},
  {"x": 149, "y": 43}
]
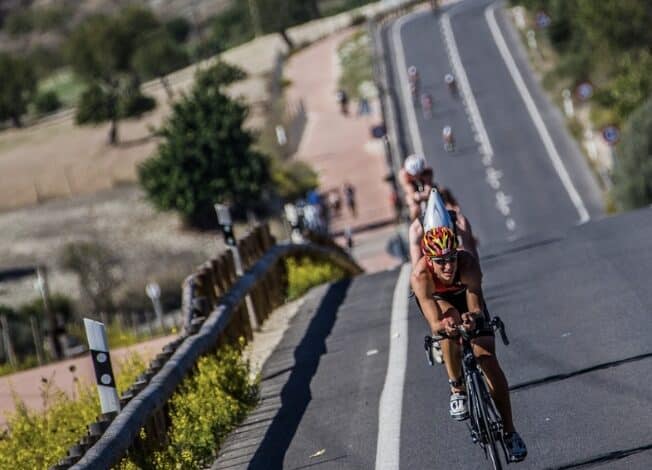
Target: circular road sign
[
  {"x": 542, "y": 19},
  {"x": 611, "y": 134},
  {"x": 584, "y": 91}
]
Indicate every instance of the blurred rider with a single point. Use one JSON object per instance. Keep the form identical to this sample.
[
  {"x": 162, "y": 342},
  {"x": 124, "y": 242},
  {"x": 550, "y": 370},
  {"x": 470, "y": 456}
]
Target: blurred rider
[
  {"x": 451, "y": 83},
  {"x": 447, "y": 283},
  {"x": 426, "y": 105},
  {"x": 414, "y": 81},
  {"x": 449, "y": 139}
]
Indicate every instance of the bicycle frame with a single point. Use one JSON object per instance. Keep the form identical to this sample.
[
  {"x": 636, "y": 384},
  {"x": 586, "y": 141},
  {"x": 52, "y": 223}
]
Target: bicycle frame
[{"x": 485, "y": 423}]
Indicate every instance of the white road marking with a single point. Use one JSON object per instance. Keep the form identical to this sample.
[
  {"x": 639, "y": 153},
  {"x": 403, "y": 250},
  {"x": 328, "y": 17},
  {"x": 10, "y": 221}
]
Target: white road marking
[
  {"x": 481, "y": 136},
  {"x": 535, "y": 115},
  {"x": 404, "y": 84},
  {"x": 388, "y": 444}
]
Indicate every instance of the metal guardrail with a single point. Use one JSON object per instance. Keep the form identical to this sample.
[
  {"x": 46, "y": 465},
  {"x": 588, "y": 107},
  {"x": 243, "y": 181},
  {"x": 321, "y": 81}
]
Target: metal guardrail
[{"x": 215, "y": 313}]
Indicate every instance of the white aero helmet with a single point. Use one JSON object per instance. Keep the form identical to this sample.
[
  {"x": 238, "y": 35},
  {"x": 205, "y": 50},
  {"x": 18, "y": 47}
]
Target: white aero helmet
[
  {"x": 436, "y": 214},
  {"x": 412, "y": 70},
  {"x": 447, "y": 130},
  {"x": 448, "y": 78},
  {"x": 414, "y": 164}
]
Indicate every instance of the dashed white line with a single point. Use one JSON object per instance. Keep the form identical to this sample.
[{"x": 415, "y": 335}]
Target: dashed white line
[
  {"x": 472, "y": 111},
  {"x": 535, "y": 115}
]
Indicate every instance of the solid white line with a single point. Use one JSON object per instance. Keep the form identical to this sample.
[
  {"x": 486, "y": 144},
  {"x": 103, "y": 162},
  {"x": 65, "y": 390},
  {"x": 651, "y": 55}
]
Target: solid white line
[
  {"x": 391, "y": 399},
  {"x": 467, "y": 94},
  {"x": 534, "y": 114},
  {"x": 402, "y": 66}
]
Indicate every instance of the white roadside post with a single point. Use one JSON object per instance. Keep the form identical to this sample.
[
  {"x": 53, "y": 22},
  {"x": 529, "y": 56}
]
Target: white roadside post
[
  {"x": 532, "y": 40},
  {"x": 568, "y": 103},
  {"x": 226, "y": 224},
  {"x": 99, "y": 347},
  {"x": 153, "y": 291}
]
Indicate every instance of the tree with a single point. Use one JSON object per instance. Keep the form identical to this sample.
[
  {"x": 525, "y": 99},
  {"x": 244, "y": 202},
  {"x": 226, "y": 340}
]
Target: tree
[
  {"x": 17, "y": 87},
  {"x": 219, "y": 75},
  {"x": 633, "y": 171},
  {"x": 206, "y": 157},
  {"x": 158, "y": 56},
  {"x": 101, "y": 50}
]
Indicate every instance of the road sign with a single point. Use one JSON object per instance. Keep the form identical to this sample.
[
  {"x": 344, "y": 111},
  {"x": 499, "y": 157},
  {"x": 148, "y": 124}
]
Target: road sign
[
  {"x": 584, "y": 91},
  {"x": 153, "y": 290},
  {"x": 542, "y": 19},
  {"x": 611, "y": 135}
]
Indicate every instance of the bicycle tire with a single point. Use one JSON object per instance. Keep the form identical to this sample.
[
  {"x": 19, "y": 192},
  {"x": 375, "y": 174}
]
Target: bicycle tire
[{"x": 486, "y": 428}]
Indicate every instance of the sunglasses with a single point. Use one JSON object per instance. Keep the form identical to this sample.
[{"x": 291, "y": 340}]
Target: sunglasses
[{"x": 441, "y": 261}]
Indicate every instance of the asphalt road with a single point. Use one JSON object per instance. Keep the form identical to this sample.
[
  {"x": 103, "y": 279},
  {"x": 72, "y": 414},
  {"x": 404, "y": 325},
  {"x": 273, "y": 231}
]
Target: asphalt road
[{"x": 573, "y": 296}]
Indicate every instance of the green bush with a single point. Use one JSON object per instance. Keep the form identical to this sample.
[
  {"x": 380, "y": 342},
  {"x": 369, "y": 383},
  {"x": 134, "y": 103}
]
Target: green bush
[
  {"x": 47, "y": 102},
  {"x": 135, "y": 103},
  {"x": 305, "y": 273},
  {"x": 36, "y": 439},
  {"x": 205, "y": 408},
  {"x": 633, "y": 169},
  {"x": 93, "y": 106},
  {"x": 357, "y": 65}
]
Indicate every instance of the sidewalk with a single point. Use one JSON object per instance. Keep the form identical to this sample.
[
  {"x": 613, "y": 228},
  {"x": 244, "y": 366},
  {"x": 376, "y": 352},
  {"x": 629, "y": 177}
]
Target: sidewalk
[
  {"x": 342, "y": 150},
  {"x": 27, "y": 384}
]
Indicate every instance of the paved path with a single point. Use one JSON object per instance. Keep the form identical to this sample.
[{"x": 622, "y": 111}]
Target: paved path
[
  {"x": 341, "y": 149},
  {"x": 27, "y": 384}
]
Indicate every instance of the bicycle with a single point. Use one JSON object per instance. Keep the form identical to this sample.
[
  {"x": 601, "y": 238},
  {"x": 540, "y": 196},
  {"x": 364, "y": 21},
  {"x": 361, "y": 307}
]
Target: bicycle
[{"x": 485, "y": 423}]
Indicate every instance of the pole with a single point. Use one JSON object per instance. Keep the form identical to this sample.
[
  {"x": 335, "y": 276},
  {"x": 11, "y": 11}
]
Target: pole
[
  {"x": 224, "y": 220},
  {"x": 37, "y": 339},
  {"x": 6, "y": 337},
  {"x": 55, "y": 346},
  {"x": 99, "y": 347}
]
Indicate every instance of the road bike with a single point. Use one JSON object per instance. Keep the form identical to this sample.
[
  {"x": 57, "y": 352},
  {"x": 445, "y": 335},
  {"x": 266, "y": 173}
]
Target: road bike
[{"x": 485, "y": 423}]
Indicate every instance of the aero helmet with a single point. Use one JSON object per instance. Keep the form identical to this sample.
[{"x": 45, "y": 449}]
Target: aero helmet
[
  {"x": 412, "y": 70},
  {"x": 414, "y": 164},
  {"x": 438, "y": 241},
  {"x": 448, "y": 78}
]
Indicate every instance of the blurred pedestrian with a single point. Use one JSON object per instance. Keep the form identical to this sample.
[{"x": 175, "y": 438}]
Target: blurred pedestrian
[
  {"x": 343, "y": 100},
  {"x": 349, "y": 196},
  {"x": 335, "y": 201}
]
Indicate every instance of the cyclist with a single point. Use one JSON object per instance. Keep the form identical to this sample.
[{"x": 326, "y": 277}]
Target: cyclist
[
  {"x": 416, "y": 178},
  {"x": 426, "y": 105},
  {"x": 449, "y": 139},
  {"x": 451, "y": 83},
  {"x": 447, "y": 283},
  {"x": 414, "y": 81}
]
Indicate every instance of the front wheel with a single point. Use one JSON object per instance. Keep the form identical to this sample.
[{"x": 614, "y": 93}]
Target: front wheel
[{"x": 489, "y": 426}]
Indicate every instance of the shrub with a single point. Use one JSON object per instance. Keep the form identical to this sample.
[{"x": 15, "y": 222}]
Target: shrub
[
  {"x": 134, "y": 104},
  {"x": 305, "y": 273},
  {"x": 633, "y": 169},
  {"x": 93, "y": 106},
  {"x": 37, "y": 439},
  {"x": 47, "y": 102},
  {"x": 205, "y": 408}
]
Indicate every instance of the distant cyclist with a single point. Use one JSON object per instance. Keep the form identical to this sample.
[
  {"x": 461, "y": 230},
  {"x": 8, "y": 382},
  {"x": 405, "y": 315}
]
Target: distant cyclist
[
  {"x": 449, "y": 78},
  {"x": 416, "y": 178},
  {"x": 447, "y": 283},
  {"x": 414, "y": 82},
  {"x": 448, "y": 138},
  {"x": 426, "y": 105}
]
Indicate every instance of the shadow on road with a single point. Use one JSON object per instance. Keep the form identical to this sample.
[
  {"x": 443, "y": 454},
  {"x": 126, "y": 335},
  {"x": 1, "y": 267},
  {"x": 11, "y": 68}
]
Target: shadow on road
[{"x": 295, "y": 395}]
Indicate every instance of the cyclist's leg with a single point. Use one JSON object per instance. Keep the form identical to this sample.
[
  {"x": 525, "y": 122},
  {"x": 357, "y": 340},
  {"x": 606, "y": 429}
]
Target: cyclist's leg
[
  {"x": 484, "y": 349},
  {"x": 451, "y": 350}
]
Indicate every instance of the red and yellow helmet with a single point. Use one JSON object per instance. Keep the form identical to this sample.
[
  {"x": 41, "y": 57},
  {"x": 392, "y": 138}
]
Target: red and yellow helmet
[{"x": 438, "y": 241}]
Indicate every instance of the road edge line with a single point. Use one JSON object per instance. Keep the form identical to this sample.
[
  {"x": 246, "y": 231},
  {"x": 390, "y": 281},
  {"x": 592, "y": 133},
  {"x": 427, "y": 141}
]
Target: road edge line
[
  {"x": 413, "y": 124},
  {"x": 557, "y": 162},
  {"x": 390, "y": 408}
]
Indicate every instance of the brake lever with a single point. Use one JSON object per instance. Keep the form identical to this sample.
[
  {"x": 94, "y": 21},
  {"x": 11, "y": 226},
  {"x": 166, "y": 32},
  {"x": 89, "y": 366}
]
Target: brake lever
[{"x": 501, "y": 328}]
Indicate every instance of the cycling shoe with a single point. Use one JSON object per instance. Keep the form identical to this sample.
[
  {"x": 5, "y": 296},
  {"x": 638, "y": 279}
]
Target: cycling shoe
[
  {"x": 515, "y": 447},
  {"x": 458, "y": 409}
]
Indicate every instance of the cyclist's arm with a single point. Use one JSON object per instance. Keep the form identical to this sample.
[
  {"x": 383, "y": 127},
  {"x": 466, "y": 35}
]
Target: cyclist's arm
[
  {"x": 471, "y": 276},
  {"x": 423, "y": 287}
]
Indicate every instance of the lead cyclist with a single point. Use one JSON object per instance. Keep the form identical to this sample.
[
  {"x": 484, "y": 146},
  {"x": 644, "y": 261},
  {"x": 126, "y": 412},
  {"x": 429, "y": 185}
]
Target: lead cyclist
[{"x": 447, "y": 283}]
